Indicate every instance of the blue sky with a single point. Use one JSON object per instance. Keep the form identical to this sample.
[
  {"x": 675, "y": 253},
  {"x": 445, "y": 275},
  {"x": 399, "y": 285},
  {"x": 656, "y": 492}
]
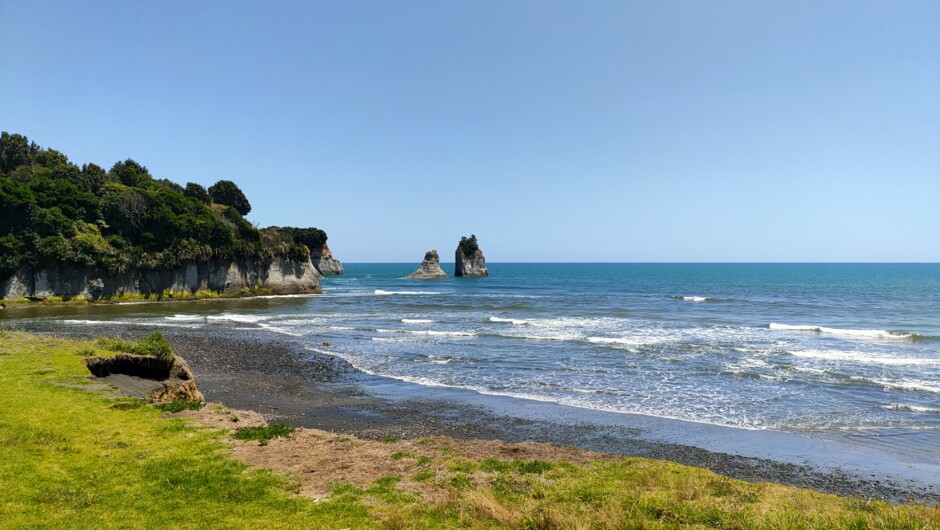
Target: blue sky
[{"x": 554, "y": 131}]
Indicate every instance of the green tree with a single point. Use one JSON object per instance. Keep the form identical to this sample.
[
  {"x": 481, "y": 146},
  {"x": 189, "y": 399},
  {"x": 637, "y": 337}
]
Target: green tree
[
  {"x": 92, "y": 178},
  {"x": 197, "y": 192},
  {"x": 228, "y": 193},
  {"x": 15, "y": 151},
  {"x": 130, "y": 173}
]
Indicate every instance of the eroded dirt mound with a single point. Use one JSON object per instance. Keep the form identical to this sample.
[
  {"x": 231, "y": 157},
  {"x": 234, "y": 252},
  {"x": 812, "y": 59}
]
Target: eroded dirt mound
[{"x": 146, "y": 376}]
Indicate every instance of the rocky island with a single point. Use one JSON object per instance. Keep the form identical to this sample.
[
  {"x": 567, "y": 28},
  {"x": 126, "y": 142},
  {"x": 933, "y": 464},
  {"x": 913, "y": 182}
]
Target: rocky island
[
  {"x": 469, "y": 260},
  {"x": 71, "y": 232},
  {"x": 430, "y": 268}
]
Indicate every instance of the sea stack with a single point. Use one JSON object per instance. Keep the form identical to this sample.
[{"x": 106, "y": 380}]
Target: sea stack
[
  {"x": 324, "y": 262},
  {"x": 469, "y": 258},
  {"x": 430, "y": 268}
]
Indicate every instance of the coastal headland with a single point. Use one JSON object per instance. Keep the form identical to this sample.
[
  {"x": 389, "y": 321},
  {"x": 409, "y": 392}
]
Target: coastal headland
[{"x": 85, "y": 234}]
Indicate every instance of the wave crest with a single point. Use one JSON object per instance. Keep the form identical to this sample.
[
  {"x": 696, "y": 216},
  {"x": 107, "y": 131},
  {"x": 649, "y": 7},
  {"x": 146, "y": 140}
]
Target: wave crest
[
  {"x": 381, "y": 292},
  {"x": 857, "y": 333}
]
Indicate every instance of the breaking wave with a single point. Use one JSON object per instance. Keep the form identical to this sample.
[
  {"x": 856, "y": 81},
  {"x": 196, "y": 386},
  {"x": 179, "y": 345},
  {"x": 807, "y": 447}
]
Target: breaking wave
[
  {"x": 862, "y": 357},
  {"x": 382, "y": 292},
  {"x": 858, "y": 333}
]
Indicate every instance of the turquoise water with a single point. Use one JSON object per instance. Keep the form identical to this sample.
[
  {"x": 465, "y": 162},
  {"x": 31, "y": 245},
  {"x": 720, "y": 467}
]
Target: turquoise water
[{"x": 816, "y": 348}]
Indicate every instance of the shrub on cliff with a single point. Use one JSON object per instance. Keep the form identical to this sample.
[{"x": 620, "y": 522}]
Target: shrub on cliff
[
  {"x": 468, "y": 246},
  {"x": 197, "y": 192},
  {"x": 227, "y": 193}
]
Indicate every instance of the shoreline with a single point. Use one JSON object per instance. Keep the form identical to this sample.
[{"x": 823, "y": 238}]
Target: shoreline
[{"x": 287, "y": 383}]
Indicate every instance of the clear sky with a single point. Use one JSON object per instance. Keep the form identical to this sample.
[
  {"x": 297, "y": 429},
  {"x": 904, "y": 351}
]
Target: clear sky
[{"x": 554, "y": 131}]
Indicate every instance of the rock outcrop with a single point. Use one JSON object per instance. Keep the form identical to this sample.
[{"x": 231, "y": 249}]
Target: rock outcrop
[
  {"x": 469, "y": 260},
  {"x": 226, "y": 278},
  {"x": 147, "y": 376},
  {"x": 324, "y": 262},
  {"x": 430, "y": 268}
]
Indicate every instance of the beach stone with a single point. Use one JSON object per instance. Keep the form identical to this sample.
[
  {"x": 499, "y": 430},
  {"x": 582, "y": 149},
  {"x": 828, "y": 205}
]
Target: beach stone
[{"x": 430, "y": 268}]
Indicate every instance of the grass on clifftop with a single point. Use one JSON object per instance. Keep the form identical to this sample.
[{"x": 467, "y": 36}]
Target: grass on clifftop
[
  {"x": 154, "y": 344},
  {"x": 77, "y": 459}
]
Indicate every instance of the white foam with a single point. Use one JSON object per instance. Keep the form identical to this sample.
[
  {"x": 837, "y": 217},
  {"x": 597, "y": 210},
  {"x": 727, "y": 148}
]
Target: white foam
[
  {"x": 425, "y": 381},
  {"x": 696, "y": 298},
  {"x": 439, "y": 360},
  {"x": 281, "y": 330},
  {"x": 862, "y": 357},
  {"x": 444, "y": 333},
  {"x": 391, "y": 339},
  {"x": 514, "y": 321},
  {"x": 553, "y": 335},
  {"x": 860, "y": 333},
  {"x": 381, "y": 292},
  {"x": 910, "y": 408},
  {"x": 145, "y": 323},
  {"x": 417, "y": 321},
  {"x": 908, "y": 385},
  {"x": 97, "y": 322},
  {"x": 185, "y": 317},
  {"x": 244, "y": 319},
  {"x": 429, "y": 332},
  {"x": 625, "y": 341}
]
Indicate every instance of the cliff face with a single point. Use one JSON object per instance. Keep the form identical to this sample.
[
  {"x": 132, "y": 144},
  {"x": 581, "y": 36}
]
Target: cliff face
[
  {"x": 430, "y": 268},
  {"x": 228, "y": 278},
  {"x": 324, "y": 262},
  {"x": 470, "y": 265}
]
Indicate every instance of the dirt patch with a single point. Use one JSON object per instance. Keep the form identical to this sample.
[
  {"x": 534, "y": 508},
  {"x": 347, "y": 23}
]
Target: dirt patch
[
  {"x": 317, "y": 459},
  {"x": 146, "y": 376},
  {"x": 220, "y": 416}
]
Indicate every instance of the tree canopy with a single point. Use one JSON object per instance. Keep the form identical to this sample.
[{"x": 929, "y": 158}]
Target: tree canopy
[
  {"x": 228, "y": 193},
  {"x": 53, "y": 212}
]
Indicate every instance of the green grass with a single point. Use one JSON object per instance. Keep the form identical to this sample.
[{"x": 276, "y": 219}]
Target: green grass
[
  {"x": 69, "y": 458},
  {"x": 180, "y": 405},
  {"x": 263, "y": 434},
  {"x": 154, "y": 344},
  {"x": 74, "y": 459}
]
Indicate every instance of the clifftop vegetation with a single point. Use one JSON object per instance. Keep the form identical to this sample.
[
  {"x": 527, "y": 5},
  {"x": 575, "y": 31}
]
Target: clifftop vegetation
[
  {"x": 468, "y": 245},
  {"x": 54, "y": 212}
]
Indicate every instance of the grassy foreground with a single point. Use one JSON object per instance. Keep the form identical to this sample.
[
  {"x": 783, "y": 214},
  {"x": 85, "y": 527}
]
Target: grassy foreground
[{"x": 74, "y": 458}]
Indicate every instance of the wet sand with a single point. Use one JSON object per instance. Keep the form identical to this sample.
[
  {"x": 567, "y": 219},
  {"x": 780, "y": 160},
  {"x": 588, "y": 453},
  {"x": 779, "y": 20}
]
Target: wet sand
[{"x": 286, "y": 383}]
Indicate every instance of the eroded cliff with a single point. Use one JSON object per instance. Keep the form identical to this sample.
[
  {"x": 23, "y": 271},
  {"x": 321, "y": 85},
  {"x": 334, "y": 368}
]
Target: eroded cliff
[
  {"x": 324, "y": 261},
  {"x": 225, "y": 278}
]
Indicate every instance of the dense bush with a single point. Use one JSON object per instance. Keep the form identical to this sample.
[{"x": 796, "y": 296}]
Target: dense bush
[
  {"x": 52, "y": 211},
  {"x": 468, "y": 246},
  {"x": 227, "y": 193}
]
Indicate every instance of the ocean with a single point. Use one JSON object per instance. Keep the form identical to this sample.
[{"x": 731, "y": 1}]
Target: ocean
[{"x": 846, "y": 350}]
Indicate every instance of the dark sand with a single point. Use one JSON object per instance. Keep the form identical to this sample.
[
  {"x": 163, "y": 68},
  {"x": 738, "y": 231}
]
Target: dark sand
[{"x": 286, "y": 383}]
